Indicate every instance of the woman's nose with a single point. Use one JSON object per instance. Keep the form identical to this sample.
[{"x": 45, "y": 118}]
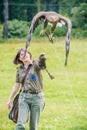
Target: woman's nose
[{"x": 25, "y": 53}]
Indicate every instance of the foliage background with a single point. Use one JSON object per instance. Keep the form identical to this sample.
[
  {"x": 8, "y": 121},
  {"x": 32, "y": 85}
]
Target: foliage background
[{"x": 25, "y": 10}]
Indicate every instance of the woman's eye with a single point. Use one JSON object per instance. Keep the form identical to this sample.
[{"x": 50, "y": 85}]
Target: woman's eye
[{"x": 22, "y": 54}]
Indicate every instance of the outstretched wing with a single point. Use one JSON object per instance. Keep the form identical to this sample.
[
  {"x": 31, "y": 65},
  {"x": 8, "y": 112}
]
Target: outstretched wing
[
  {"x": 37, "y": 18},
  {"x": 68, "y": 35},
  {"x": 35, "y": 22}
]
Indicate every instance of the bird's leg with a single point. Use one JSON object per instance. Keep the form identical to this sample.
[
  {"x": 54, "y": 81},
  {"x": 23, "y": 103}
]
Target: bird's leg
[
  {"x": 43, "y": 29},
  {"x": 50, "y": 36},
  {"x": 51, "y": 32}
]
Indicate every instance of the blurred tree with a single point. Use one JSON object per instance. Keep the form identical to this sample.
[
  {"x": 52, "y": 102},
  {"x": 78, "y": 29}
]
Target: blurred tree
[
  {"x": 1, "y": 11},
  {"x": 31, "y": 10},
  {"x": 65, "y": 6},
  {"x": 52, "y": 5},
  {"x": 5, "y": 26},
  {"x": 38, "y": 5},
  {"x": 22, "y": 10},
  {"x": 79, "y": 16}
]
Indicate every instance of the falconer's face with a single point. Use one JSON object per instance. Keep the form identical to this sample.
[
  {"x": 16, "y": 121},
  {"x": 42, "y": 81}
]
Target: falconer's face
[{"x": 24, "y": 57}]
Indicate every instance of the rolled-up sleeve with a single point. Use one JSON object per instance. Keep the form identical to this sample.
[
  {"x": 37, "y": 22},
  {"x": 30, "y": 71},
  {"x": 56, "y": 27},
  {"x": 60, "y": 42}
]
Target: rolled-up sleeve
[{"x": 17, "y": 76}]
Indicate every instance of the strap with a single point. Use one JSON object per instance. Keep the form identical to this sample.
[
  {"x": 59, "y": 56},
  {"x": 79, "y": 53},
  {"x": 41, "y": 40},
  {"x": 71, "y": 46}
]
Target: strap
[
  {"x": 26, "y": 74},
  {"x": 50, "y": 75}
]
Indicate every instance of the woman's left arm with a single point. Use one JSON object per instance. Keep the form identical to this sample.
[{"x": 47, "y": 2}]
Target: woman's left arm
[{"x": 13, "y": 92}]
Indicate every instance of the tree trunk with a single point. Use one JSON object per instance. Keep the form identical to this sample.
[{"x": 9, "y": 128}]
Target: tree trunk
[
  {"x": 5, "y": 12},
  {"x": 38, "y": 6}
]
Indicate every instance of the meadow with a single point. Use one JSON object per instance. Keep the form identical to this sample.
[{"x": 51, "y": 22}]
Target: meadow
[{"x": 66, "y": 95}]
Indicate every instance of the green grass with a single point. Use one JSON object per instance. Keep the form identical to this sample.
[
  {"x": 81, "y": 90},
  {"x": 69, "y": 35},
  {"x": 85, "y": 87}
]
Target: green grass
[{"x": 66, "y": 95}]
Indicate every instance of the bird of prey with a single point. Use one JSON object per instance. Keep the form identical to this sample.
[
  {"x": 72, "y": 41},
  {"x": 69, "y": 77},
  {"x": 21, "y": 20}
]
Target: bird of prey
[{"x": 55, "y": 20}]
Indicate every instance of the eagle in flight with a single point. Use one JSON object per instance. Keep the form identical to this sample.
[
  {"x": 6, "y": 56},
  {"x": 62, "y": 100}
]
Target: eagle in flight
[{"x": 54, "y": 19}]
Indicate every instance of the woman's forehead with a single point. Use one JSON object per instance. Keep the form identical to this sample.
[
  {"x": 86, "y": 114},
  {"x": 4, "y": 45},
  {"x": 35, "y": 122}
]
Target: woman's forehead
[{"x": 22, "y": 51}]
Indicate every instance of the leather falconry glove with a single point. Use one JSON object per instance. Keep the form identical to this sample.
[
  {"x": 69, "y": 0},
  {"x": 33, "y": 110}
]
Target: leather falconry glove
[
  {"x": 42, "y": 59},
  {"x": 42, "y": 64}
]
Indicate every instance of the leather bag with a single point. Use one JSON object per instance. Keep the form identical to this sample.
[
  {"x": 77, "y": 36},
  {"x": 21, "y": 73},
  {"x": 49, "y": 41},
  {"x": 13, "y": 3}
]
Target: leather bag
[{"x": 13, "y": 114}]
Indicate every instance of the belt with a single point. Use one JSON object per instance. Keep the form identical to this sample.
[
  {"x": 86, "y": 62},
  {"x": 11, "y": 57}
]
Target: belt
[{"x": 31, "y": 92}]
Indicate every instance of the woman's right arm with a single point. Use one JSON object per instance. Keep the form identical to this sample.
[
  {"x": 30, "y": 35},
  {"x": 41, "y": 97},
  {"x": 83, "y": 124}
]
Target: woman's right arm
[{"x": 13, "y": 92}]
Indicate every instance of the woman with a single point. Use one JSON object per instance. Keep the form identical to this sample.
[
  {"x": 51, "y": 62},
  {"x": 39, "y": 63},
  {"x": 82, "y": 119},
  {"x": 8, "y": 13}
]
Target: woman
[{"x": 31, "y": 98}]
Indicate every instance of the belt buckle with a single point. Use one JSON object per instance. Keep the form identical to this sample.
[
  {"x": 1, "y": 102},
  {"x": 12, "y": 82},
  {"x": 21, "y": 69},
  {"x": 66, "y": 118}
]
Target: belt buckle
[
  {"x": 39, "y": 91},
  {"x": 36, "y": 92}
]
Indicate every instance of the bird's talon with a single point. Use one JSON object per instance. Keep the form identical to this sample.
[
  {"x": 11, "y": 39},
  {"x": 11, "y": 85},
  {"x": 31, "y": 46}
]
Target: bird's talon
[
  {"x": 42, "y": 32},
  {"x": 51, "y": 38}
]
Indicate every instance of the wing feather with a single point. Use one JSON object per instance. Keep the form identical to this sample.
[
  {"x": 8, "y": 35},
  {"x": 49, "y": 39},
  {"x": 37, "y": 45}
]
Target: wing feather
[
  {"x": 68, "y": 35},
  {"x": 37, "y": 18},
  {"x": 35, "y": 22}
]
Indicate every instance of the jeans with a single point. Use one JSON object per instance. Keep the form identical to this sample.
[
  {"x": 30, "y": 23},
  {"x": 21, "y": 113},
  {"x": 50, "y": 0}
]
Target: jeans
[{"x": 33, "y": 103}]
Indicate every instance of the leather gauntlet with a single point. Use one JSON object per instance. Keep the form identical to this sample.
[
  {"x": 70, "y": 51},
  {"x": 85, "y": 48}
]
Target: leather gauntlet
[{"x": 42, "y": 61}]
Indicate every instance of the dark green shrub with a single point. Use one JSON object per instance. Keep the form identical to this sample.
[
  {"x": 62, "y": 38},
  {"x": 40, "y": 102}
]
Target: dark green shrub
[
  {"x": 38, "y": 29},
  {"x": 79, "y": 33},
  {"x": 76, "y": 33},
  {"x": 59, "y": 31},
  {"x": 84, "y": 33},
  {"x": 17, "y": 28},
  {"x": 20, "y": 29}
]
